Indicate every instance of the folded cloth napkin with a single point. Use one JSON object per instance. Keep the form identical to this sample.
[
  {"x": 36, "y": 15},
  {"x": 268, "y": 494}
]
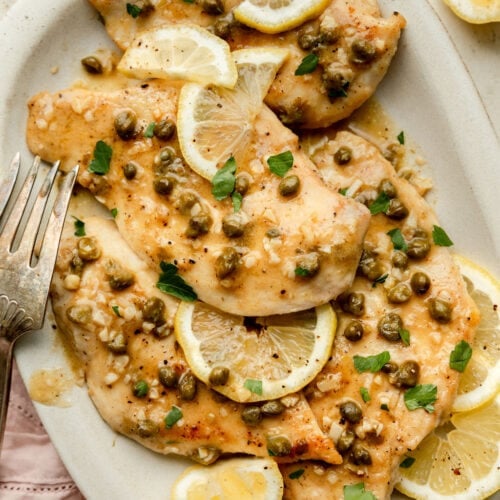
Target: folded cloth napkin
[{"x": 30, "y": 467}]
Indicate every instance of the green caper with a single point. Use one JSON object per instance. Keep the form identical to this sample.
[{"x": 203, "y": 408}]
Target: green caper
[
  {"x": 351, "y": 412},
  {"x": 187, "y": 386},
  {"x": 92, "y": 65},
  {"x": 399, "y": 259},
  {"x": 146, "y": 428},
  {"x": 420, "y": 283},
  {"x": 164, "y": 129},
  {"x": 345, "y": 442},
  {"x": 129, "y": 170},
  {"x": 140, "y": 389},
  {"x": 119, "y": 278},
  {"x": 369, "y": 266},
  {"x": 144, "y": 6},
  {"x": 329, "y": 35},
  {"x": 198, "y": 225},
  {"x": 219, "y": 375},
  {"x": 226, "y": 263},
  {"x": 440, "y": 310},
  {"x": 308, "y": 265},
  {"x": 399, "y": 293},
  {"x": 336, "y": 83},
  {"x": 88, "y": 248},
  {"x": 343, "y": 155},
  {"x": 168, "y": 376},
  {"x": 387, "y": 187},
  {"x": 272, "y": 408},
  {"x": 233, "y": 225},
  {"x": 279, "y": 446},
  {"x": 187, "y": 200},
  {"x": 274, "y": 232},
  {"x": 164, "y": 184},
  {"x": 389, "y": 326},
  {"x": 164, "y": 159},
  {"x": 212, "y": 7},
  {"x": 118, "y": 345},
  {"x": 76, "y": 265},
  {"x": 396, "y": 210},
  {"x": 242, "y": 183},
  {"x": 289, "y": 186},
  {"x": 251, "y": 415},
  {"x": 153, "y": 311},
  {"x": 418, "y": 247},
  {"x": 354, "y": 330},
  {"x": 353, "y": 303},
  {"x": 362, "y": 51},
  {"x": 308, "y": 40},
  {"x": 125, "y": 124},
  {"x": 79, "y": 314},
  {"x": 390, "y": 367},
  {"x": 223, "y": 25},
  {"x": 360, "y": 455},
  {"x": 406, "y": 375}
]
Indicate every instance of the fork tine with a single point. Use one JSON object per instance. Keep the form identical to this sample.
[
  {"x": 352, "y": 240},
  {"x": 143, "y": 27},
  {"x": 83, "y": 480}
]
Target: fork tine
[
  {"x": 8, "y": 186},
  {"x": 9, "y": 231}
]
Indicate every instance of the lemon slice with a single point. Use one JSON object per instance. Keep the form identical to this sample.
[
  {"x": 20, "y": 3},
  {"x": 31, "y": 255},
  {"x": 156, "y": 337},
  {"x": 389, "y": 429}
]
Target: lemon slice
[
  {"x": 180, "y": 53},
  {"x": 214, "y": 123},
  {"x": 236, "y": 478},
  {"x": 481, "y": 379},
  {"x": 459, "y": 460},
  {"x": 267, "y": 357},
  {"x": 476, "y": 11},
  {"x": 276, "y": 16}
]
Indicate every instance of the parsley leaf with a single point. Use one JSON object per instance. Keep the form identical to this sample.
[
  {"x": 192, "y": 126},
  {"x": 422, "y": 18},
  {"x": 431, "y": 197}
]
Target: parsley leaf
[
  {"x": 280, "y": 164},
  {"x": 116, "y": 310},
  {"x": 398, "y": 240},
  {"x": 357, "y": 492},
  {"x": 371, "y": 363},
  {"x": 173, "y": 284},
  {"x": 254, "y": 386},
  {"x": 365, "y": 395},
  {"x": 405, "y": 336},
  {"x": 460, "y": 356},
  {"x": 173, "y": 416},
  {"x": 308, "y": 65},
  {"x": 79, "y": 227},
  {"x": 102, "y": 158},
  {"x": 407, "y": 462},
  {"x": 150, "y": 130},
  {"x": 421, "y": 396},
  {"x": 401, "y": 137},
  {"x": 296, "y": 474},
  {"x": 440, "y": 237},
  {"x": 114, "y": 212},
  {"x": 381, "y": 204},
  {"x": 224, "y": 180},
  {"x": 342, "y": 92},
  {"x": 236, "y": 198},
  {"x": 133, "y": 10},
  {"x": 302, "y": 272},
  {"x": 343, "y": 191}
]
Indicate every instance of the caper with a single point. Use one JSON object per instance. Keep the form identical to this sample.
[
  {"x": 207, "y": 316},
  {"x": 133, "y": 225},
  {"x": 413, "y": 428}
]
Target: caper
[
  {"x": 233, "y": 225},
  {"x": 396, "y": 210},
  {"x": 399, "y": 259},
  {"x": 362, "y": 51},
  {"x": 119, "y": 278},
  {"x": 251, "y": 415},
  {"x": 308, "y": 265},
  {"x": 272, "y": 408},
  {"x": 153, "y": 311},
  {"x": 140, "y": 389},
  {"x": 129, "y": 170},
  {"x": 387, "y": 187},
  {"x": 164, "y": 129},
  {"x": 389, "y": 326},
  {"x": 223, "y": 25},
  {"x": 399, "y": 293},
  {"x": 92, "y": 65},
  {"x": 118, "y": 345},
  {"x": 164, "y": 185},
  {"x": 351, "y": 412},
  {"x": 354, "y": 330},
  {"x": 212, "y": 7},
  {"x": 279, "y": 446},
  {"x": 390, "y": 367},
  {"x": 369, "y": 266},
  {"x": 144, "y": 6},
  {"x": 335, "y": 82},
  {"x": 345, "y": 442},
  {"x": 343, "y": 155},
  {"x": 440, "y": 310},
  {"x": 242, "y": 183},
  {"x": 187, "y": 386},
  {"x": 329, "y": 35},
  {"x": 418, "y": 247},
  {"x": 219, "y": 375},
  {"x": 289, "y": 186},
  {"x": 406, "y": 375},
  {"x": 353, "y": 303},
  {"x": 76, "y": 265},
  {"x": 79, "y": 314},
  {"x": 168, "y": 376},
  {"x": 420, "y": 283},
  {"x": 88, "y": 249},
  {"x": 187, "y": 200},
  {"x": 360, "y": 455},
  {"x": 198, "y": 225},
  {"x": 163, "y": 160},
  {"x": 274, "y": 232},
  {"x": 125, "y": 124},
  {"x": 146, "y": 428},
  {"x": 308, "y": 40},
  {"x": 226, "y": 263}
]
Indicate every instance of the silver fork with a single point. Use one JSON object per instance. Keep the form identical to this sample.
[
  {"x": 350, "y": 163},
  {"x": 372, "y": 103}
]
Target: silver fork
[{"x": 27, "y": 259}]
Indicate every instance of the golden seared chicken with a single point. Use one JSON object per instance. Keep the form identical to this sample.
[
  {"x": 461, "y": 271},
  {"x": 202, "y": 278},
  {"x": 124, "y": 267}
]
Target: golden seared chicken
[
  {"x": 389, "y": 381},
  {"x": 105, "y": 299},
  {"x": 352, "y": 44},
  {"x": 290, "y": 247}
]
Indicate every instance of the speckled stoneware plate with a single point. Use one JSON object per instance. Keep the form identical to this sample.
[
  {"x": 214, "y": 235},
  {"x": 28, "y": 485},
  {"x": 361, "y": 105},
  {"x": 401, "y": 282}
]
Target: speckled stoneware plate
[{"x": 427, "y": 92}]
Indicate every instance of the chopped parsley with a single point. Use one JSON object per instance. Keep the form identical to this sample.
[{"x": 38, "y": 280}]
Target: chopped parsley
[
  {"x": 405, "y": 336},
  {"x": 116, "y": 310},
  {"x": 343, "y": 191},
  {"x": 302, "y": 272},
  {"x": 236, "y": 198},
  {"x": 296, "y": 473},
  {"x": 407, "y": 462},
  {"x": 173, "y": 284},
  {"x": 308, "y": 65},
  {"x": 79, "y": 227},
  {"x": 365, "y": 395},
  {"x": 357, "y": 492},
  {"x": 173, "y": 416},
  {"x": 371, "y": 363},
  {"x": 460, "y": 356},
  {"x": 150, "y": 130},
  {"x": 401, "y": 137},
  {"x": 133, "y": 10},
  {"x": 384, "y": 407},
  {"x": 381, "y": 204},
  {"x": 224, "y": 180},
  {"x": 280, "y": 164},
  {"x": 254, "y": 386},
  {"x": 398, "y": 240},
  {"x": 114, "y": 212},
  {"x": 440, "y": 237},
  {"x": 141, "y": 389},
  {"x": 421, "y": 396},
  {"x": 342, "y": 92},
  {"x": 100, "y": 163}
]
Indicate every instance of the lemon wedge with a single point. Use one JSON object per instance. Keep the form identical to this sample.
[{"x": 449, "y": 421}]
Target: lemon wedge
[
  {"x": 214, "y": 123},
  {"x": 273, "y": 16},
  {"x": 480, "y": 381},
  {"x": 263, "y": 358},
  {"x": 180, "y": 53},
  {"x": 236, "y": 478},
  {"x": 459, "y": 460},
  {"x": 476, "y": 11}
]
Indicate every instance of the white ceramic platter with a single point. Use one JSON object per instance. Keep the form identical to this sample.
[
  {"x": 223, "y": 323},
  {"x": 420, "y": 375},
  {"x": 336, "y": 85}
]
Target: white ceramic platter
[{"x": 427, "y": 92}]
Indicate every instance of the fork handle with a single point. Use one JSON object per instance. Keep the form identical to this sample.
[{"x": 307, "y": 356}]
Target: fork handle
[{"x": 5, "y": 378}]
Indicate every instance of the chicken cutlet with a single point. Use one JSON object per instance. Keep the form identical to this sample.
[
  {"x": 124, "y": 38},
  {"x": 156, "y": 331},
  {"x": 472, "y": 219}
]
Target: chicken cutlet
[
  {"x": 243, "y": 261},
  {"x": 106, "y": 301},
  {"x": 389, "y": 382},
  {"x": 351, "y": 43}
]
